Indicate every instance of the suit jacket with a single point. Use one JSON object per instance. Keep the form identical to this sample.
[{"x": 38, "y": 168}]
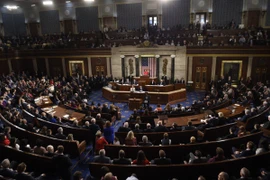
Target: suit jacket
[
  {"x": 8, "y": 173},
  {"x": 162, "y": 161},
  {"x": 23, "y": 176},
  {"x": 102, "y": 159},
  {"x": 123, "y": 129},
  {"x": 266, "y": 125},
  {"x": 161, "y": 129},
  {"x": 246, "y": 153},
  {"x": 122, "y": 161},
  {"x": 94, "y": 128}
]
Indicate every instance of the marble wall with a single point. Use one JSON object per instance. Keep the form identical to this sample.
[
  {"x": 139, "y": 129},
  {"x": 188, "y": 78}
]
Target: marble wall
[{"x": 165, "y": 52}]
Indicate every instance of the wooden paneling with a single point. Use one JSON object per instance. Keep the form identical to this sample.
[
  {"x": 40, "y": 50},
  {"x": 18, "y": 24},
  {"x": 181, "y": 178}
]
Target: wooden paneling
[
  {"x": 244, "y": 65},
  {"x": 99, "y": 66},
  {"x": 33, "y": 29},
  {"x": 77, "y": 59},
  {"x": 4, "y": 67},
  {"x": 260, "y": 68},
  {"x": 41, "y": 66},
  {"x": 68, "y": 25},
  {"x": 202, "y": 62},
  {"x": 19, "y": 65},
  {"x": 55, "y": 66},
  {"x": 253, "y": 18}
]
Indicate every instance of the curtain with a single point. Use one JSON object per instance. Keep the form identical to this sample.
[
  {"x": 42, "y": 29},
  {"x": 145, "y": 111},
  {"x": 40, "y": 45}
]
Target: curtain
[
  {"x": 175, "y": 13},
  {"x": 14, "y": 24},
  {"x": 87, "y": 18},
  {"x": 49, "y": 21}
]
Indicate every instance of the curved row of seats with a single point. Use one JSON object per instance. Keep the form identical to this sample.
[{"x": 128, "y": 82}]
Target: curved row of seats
[{"x": 71, "y": 147}]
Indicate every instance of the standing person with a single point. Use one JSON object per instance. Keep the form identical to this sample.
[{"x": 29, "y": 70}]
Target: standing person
[
  {"x": 109, "y": 132},
  {"x": 100, "y": 142},
  {"x": 62, "y": 164}
]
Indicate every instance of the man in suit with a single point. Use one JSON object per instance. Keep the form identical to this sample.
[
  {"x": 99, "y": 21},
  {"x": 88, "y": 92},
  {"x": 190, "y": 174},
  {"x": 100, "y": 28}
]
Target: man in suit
[
  {"x": 124, "y": 128},
  {"x": 145, "y": 141},
  {"x": 6, "y": 171},
  {"x": 101, "y": 158},
  {"x": 162, "y": 82},
  {"x": 246, "y": 116},
  {"x": 60, "y": 134},
  {"x": 148, "y": 128},
  {"x": 189, "y": 126},
  {"x": 62, "y": 163},
  {"x": 266, "y": 125},
  {"x": 22, "y": 174},
  {"x": 146, "y": 100},
  {"x": 162, "y": 160},
  {"x": 247, "y": 152},
  {"x": 122, "y": 159},
  {"x": 160, "y": 127}
]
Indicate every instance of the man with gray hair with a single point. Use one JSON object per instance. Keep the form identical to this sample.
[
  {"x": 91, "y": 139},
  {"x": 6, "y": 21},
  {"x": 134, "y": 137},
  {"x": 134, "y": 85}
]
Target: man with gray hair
[
  {"x": 145, "y": 141},
  {"x": 124, "y": 128},
  {"x": 6, "y": 171},
  {"x": 60, "y": 134},
  {"x": 101, "y": 158}
]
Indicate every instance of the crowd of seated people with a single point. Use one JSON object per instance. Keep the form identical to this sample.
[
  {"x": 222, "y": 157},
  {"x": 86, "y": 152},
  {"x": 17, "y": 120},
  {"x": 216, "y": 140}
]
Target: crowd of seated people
[{"x": 171, "y": 36}]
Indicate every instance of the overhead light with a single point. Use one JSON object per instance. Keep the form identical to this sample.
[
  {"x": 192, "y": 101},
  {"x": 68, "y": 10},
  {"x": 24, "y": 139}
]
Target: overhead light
[
  {"x": 47, "y": 2},
  {"x": 12, "y": 7},
  {"x": 89, "y": 0},
  {"x": 33, "y": 5},
  {"x": 67, "y": 2}
]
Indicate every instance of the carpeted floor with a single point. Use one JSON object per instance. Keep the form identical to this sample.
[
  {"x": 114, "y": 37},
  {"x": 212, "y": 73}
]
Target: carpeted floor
[{"x": 96, "y": 97}]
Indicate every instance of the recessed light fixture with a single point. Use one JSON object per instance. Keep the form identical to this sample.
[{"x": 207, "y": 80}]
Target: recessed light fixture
[
  {"x": 9, "y": 7},
  {"x": 33, "y": 5},
  {"x": 89, "y": 0},
  {"x": 47, "y": 3},
  {"x": 67, "y": 2}
]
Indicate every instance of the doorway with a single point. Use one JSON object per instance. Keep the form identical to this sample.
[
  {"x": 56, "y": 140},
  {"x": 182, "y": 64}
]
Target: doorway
[
  {"x": 152, "y": 20},
  {"x": 201, "y": 78}
]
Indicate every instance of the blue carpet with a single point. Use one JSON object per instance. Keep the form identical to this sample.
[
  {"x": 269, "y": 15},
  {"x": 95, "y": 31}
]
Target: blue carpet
[{"x": 96, "y": 97}]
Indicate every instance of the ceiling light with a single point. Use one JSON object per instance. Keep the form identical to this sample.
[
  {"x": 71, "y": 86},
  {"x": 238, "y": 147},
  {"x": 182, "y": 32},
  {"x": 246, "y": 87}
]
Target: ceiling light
[
  {"x": 89, "y": 0},
  {"x": 67, "y": 2},
  {"x": 47, "y": 2},
  {"x": 33, "y": 5},
  {"x": 12, "y": 7}
]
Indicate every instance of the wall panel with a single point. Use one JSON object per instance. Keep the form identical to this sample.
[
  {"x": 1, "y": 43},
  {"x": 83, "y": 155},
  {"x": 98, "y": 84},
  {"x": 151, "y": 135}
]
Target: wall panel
[
  {"x": 87, "y": 18},
  {"x": 49, "y": 22}
]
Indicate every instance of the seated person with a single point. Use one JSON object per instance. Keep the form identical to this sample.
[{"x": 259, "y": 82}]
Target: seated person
[
  {"x": 166, "y": 140},
  {"x": 246, "y": 116},
  {"x": 162, "y": 160},
  {"x": 141, "y": 159},
  {"x": 196, "y": 158},
  {"x": 266, "y": 125},
  {"x": 132, "y": 89},
  {"x": 219, "y": 155},
  {"x": 137, "y": 128},
  {"x": 121, "y": 159},
  {"x": 160, "y": 127},
  {"x": 101, "y": 158},
  {"x": 148, "y": 128},
  {"x": 175, "y": 127},
  {"x": 249, "y": 151},
  {"x": 6, "y": 171},
  {"x": 231, "y": 135},
  {"x": 124, "y": 128},
  {"x": 145, "y": 141},
  {"x": 130, "y": 139},
  {"x": 189, "y": 126}
]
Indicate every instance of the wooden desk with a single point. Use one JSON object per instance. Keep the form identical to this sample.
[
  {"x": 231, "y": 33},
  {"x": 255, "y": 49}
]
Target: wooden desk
[
  {"x": 134, "y": 103},
  {"x": 155, "y": 97},
  {"x": 43, "y": 101},
  {"x": 64, "y": 113},
  {"x": 196, "y": 119}
]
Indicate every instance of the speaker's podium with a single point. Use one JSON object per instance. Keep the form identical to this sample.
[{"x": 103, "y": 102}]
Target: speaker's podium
[{"x": 134, "y": 103}]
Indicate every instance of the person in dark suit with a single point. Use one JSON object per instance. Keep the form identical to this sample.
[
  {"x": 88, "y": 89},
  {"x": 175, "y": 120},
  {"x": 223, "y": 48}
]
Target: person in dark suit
[
  {"x": 249, "y": 151},
  {"x": 137, "y": 128},
  {"x": 101, "y": 158},
  {"x": 189, "y": 126},
  {"x": 182, "y": 81},
  {"x": 245, "y": 174},
  {"x": 62, "y": 163},
  {"x": 246, "y": 116},
  {"x": 162, "y": 82},
  {"x": 6, "y": 171},
  {"x": 231, "y": 135},
  {"x": 60, "y": 134},
  {"x": 148, "y": 128},
  {"x": 121, "y": 159},
  {"x": 160, "y": 127},
  {"x": 267, "y": 124},
  {"x": 162, "y": 160},
  {"x": 145, "y": 141},
  {"x": 22, "y": 175},
  {"x": 146, "y": 100},
  {"x": 124, "y": 128},
  {"x": 197, "y": 158}
]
